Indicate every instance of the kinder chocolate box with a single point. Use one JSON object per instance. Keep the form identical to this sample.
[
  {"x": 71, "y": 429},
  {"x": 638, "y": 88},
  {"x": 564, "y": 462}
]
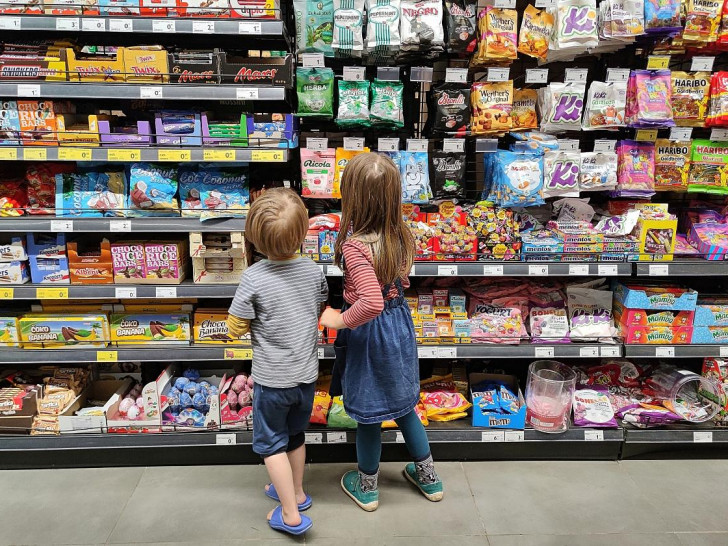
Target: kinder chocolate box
[
  {"x": 710, "y": 334},
  {"x": 49, "y": 270},
  {"x": 210, "y": 327},
  {"x": 63, "y": 331},
  {"x": 150, "y": 329},
  {"x": 14, "y": 273},
  {"x": 128, "y": 261},
  {"x": 12, "y": 249},
  {"x": 651, "y": 317},
  {"x": 655, "y": 296},
  {"x": 659, "y": 335}
]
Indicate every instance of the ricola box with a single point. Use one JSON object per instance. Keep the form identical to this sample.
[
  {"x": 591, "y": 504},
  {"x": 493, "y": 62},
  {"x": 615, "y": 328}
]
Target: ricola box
[
  {"x": 165, "y": 262},
  {"x": 127, "y": 259}
]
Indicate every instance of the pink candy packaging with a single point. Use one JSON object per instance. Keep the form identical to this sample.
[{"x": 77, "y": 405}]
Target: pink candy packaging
[
  {"x": 549, "y": 325},
  {"x": 317, "y": 173},
  {"x": 592, "y": 408},
  {"x": 496, "y": 324},
  {"x": 636, "y": 169},
  {"x": 649, "y": 99}
]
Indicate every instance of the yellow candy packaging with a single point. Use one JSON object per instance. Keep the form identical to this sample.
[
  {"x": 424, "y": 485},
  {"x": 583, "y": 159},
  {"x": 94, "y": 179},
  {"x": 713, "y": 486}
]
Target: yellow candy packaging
[
  {"x": 536, "y": 29},
  {"x": 343, "y": 156}
]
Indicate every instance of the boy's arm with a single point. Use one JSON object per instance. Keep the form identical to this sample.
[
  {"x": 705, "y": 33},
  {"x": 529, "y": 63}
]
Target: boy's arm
[
  {"x": 237, "y": 327},
  {"x": 242, "y": 308}
]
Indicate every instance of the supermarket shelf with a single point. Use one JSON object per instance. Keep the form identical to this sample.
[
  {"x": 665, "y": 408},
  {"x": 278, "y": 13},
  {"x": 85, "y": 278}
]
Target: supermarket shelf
[
  {"x": 118, "y": 225},
  {"x": 687, "y": 268},
  {"x": 675, "y": 351},
  {"x": 69, "y": 90},
  {"x": 128, "y": 154},
  {"x": 249, "y": 27},
  {"x": 122, "y": 291},
  {"x": 506, "y": 269},
  {"x": 677, "y": 434}
]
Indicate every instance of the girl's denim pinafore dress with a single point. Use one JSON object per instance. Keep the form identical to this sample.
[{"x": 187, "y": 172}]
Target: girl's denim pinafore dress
[{"x": 377, "y": 365}]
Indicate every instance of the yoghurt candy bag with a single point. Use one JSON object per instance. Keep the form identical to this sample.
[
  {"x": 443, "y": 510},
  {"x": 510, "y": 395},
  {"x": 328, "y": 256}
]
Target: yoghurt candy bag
[
  {"x": 598, "y": 171},
  {"x": 636, "y": 169},
  {"x": 462, "y": 36},
  {"x": 497, "y": 324},
  {"x": 561, "y": 106},
  {"x": 386, "y": 103},
  {"x": 415, "y": 177},
  {"x": 382, "y": 23},
  {"x": 315, "y": 88},
  {"x": 421, "y": 25},
  {"x": 690, "y": 96},
  {"x": 353, "y": 103},
  {"x": 536, "y": 29},
  {"x": 314, "y": 26},
  {"x": 590, "y": 314},
  {"x": 561, "y": 174},
  {"x": 605, "y": 106},
  {"x": 662, "y": 16},
  {"x": 348, "y": 25},
  {"x": 549, "y": 325},
  {"x": 317, "y": 173}
]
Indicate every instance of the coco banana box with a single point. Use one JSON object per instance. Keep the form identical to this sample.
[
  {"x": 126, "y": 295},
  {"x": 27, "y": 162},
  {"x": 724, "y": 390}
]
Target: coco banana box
[
  {"x": 9, "y": 332},
  {"x": 63, "y": 331},
  {"x": 150, "y": 329}
]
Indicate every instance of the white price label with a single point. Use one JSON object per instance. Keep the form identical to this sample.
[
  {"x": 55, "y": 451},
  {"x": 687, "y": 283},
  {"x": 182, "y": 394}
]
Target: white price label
[
  {"x": 493, "y": 436},
  {"x": 26, "y": 90},
  {"x": 456, "y": 75},
  {"x": 388, "y": 145},
  {"x": 719, "y": 134},
  {"x": 246, "y": 93},
  {"x": 453, "y": 145},
  {"x": 317, "y": 143},
  {"x": 601, "y": 145},
  {"x": 543, "y": 352},
  {"x": 93, "y": 25},
  {"x": 492, "y": 270},
  {"x": 203, "y": 27},
  {"x": 398, "y": 437},
  {"x": 61, "y": 225},
  {"x": 578, "y": 269},
  {"x": 166, "y": 291},
  {"x": 568, "y": 145},
  {"x": 609, "y": 352},
  {"x": 537, "y": 75},
  {"x": 665, "y": 352},
  {"x": 498, "y": 74},
  {"x": 249, "y": 27},
  {"x": 514, "y": 436},
  {"x": 446, "y": 352},
  {"x": 702, "y": 64},
  {"x": 617, "y": 74},
  {"x": 312, "y": 60},
  {"x": 545, "y": 3},
  {"x": 589, "y": 352},
  {"x": 226, "y": 439},
  {"x": 314, "y": 437},
  {"x": 156, "y": 92},
  {"x": 121, "y": 25},
  {"x": 703, "y": 436},
  {"x": 724, "y": 352},
  {"x": 355, "y": 144},
  {"x": 427, "y": 352},
  {"x": 577, "y": 75},
  {"x": 413, "y": 271},
  {"x": 538, "y": 270},
  {"x": 68, "y": 23},
  {"x": 416, "y": 145},
  {"x": 354, "y": 73},
  {"x": 125, "y": 292},
  {"x": 505, "y": 4},
  {"x": 681, "y": 133},
  {"x": 162, "y": 26},
  {"x": 120, "y": 225},
  {"x": 321, "y": 353},
  {"x": 658, "y": 270},
  {"x": 9, "y": 23},
  {"x": 334, "y": 271},
  {"x": 593, "y": 435},
  {"x": 607, "y": 270},
  {"x": 336, "y": 437},
  {"x": 447, "y": 270}
]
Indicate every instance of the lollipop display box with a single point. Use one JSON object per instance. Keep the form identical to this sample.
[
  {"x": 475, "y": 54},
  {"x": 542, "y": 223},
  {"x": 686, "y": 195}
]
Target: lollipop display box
[{"x": 484, "y": 412}]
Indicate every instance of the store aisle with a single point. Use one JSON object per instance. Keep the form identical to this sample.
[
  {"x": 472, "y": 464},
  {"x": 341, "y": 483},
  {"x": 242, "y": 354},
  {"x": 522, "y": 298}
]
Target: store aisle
[{"x": 495, "y": 503}]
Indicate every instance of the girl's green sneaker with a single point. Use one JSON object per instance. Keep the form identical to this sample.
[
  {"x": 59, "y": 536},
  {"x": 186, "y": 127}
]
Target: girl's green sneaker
[
  {"x": 351, "y": 484},
  {"x": 432, "y": 491}
]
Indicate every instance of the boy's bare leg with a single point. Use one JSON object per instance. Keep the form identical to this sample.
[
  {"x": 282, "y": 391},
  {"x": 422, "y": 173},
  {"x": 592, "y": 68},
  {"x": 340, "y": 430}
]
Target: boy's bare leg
[
  {"x": 280, "y": 472},
  {"x": 297, "y": 458}
]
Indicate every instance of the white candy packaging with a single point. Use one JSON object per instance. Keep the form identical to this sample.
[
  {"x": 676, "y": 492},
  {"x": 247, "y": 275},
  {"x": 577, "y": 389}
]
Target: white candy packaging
[{"x": 590, "y": 314}]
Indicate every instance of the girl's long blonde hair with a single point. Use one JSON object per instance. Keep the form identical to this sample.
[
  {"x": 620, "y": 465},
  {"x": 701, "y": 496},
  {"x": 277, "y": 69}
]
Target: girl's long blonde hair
[{"x": 371, "y": 206}]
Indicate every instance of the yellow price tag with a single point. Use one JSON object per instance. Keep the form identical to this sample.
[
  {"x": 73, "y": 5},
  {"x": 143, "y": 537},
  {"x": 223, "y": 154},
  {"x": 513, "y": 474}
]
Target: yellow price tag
[
  {"x": 656, "y": 62},
  {"x": 74, "y": 154},
  {"x": 238, "y": 354},
  {"x": 53, "y": 293},
  {"x": 35, "y": 154},
  {"x": 8, "y": 153},
  {"x": 174, "y": 155},
  {"x": 268, "y": 155},
  {"x": 125, "y": 155},
  {"x": 7, "y": 293},
  {"x": 219, "y": 155},
  {"x": 107, "y": 356},
  {"x": 647, "y": 135}
]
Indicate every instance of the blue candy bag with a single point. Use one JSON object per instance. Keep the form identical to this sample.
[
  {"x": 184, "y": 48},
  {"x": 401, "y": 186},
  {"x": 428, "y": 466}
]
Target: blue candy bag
[
  {"x": 153, "y": 190},
  {"x": 211, "y": 191},
  {"x": 519, "y": 178},
  {"x": 414, "y": 168},
  {"x": 91, "y": 194}
]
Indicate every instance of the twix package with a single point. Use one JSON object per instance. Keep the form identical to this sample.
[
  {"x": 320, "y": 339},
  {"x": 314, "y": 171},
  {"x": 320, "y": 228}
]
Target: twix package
[
  {"x": 536, "y": 29},
  {"x": 492, "y": 104}
]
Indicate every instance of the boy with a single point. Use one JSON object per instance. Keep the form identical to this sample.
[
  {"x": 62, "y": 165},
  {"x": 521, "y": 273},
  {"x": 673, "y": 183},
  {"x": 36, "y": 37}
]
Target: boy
[{"x": 279, "y": 300}]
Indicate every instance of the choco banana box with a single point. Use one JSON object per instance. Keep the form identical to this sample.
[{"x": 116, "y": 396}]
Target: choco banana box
[
  {"x": 210, "y": 327},
  {"x": 150, "y": 329},
  {"x": 63, "y": 331},
  {"x": 9, "y": 332}
]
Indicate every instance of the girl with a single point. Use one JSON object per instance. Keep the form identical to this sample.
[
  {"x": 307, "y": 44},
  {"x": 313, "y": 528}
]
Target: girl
[{"x": 376, "y": 347}]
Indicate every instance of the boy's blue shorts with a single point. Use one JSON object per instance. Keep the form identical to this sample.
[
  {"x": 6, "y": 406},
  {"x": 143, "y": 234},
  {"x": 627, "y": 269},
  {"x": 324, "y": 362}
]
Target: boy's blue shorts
[{"x": 280, "y": 417}]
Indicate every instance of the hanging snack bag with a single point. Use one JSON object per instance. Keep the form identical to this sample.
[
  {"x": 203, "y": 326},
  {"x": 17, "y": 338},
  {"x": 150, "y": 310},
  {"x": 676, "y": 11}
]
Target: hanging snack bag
[
  {"x": 353, "y": 104},
  {"x": 492, "y": 104},
  {"x": 343, "y": 157},
  {"x": 652, "y": 94},
  {"x": 626, "y": 18},
  {"x": 153, "y": 190},
  {"x": 317, "y": 173},
  {"x": 91, "y": 194},
  {"x": 718, "y": 108},
  {"x": 421, "y": 25},
  {"x": 576, "y": 24},
  {"x": 690, "y": 95},
  {"x": 461, "y": 25},
  {"x": 315, "y": 89},
  {"x": 536, "y": 29},
  {"x": 662, "y": 16},
  {"x": 382, "y": 23},
  {"x": 708, "y": 167},
  {"x": 524, "y": 109},
  {"x": 702, "y": 20},
  {"x": 451, "y": 106},
  {"x": 605, "y": 105},
  {"x": 672, "y": 163},
  {"x": 448, "y": 175},
  {"x": 636, "y": 169},
  {"x": 501, "y": 37},
  {"x": 386, "y": 105},
  {"x": 590, "y": 314},
  {"x": 561, "y": 106},
  {"x": 314, "y": 26},
  {"x": 519, "y": 179},
  {"x": 561, "y": 174},
  {"x": 415, "y": 177},
  {"x": 348, "y": 25},
  {"x": 598, "y": 171},
  {"x": 480, "y": 57}
]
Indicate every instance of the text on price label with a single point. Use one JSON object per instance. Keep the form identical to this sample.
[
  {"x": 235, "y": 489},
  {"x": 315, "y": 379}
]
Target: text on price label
[
  {"x": 416, "y": 145},
  {"x": 8, "y": 154},
  {"x": 164, "y": 26},
  {"x": 226, "y": 439},
  {"x": 9, "y": 23},
  {"x": 447, "y": 270},
  {"x": 355, "y": 144},
  {"x": 537, "y": 75},
  {"x": 514, "y": 436},
  {"x": 61, "y": 226},
  {"x": 453, "y": 145},
  {"x": 7, "y": 293},
  {"x": 317, "y": 143},
  {"x": 28, "y": 90},
  {"x": 166, "y": 291},
  {"x": 601, "y": 145},
  {"x": 74, "y": 154},
  {"x": 543, "y": 352},
  {"x": 121, "y": 25},
  {"x": 498, "y": 74},
  {"x": 336, "y": 437},
  {"x": 702, "y": 64},
  {"x": 119, "y": 225},
  {"x": 657, "y": 62},
  {"x": 578, "y": 269},
  {"x": 658, "y": 270},
  {"x": 702, "y": 436},
  {"x": 35, "y": 154},
  {"x": 174, "y": 155},
  {"x": 617, "y": 74},
  {"x": 593, "y": 435},
  {"x": 93, "y": 25},
  {"x": 124, "y": 155},
  {"x": 219, "y": 155},
  {"x": 247, "y": 93},
  {"x": 107, "y": 356},
  {"x": 398, "y": 437},
  {"x": 203, "y": 27},
  {"x": 589, "y": 352},
  {"x": 492, "y": 270},
  {"x": 248, "y": 27},
  {"x": 151, "y": 92},
  {"x": 238, "y": 354},
  {"x": 388, "y": 145},
  {"x": 314, "y": 437},
  {"x": 276, "y": 156},
  {"x": 538, "y": 270},
  {"x": 456, "y": 75},
  {"x": 609, "y": 351},
  {"x": 125, "y": 292},
  {"x": 492, "y": 436},
  {"x": 665, "y": 352},
  {"x": 578, "y": 75},
  {"x": 53, "y": 293},
  {"x": 354, "y": 73},
  {"x": 607, "y": 270},
  {"x": 68, "y": 23}
]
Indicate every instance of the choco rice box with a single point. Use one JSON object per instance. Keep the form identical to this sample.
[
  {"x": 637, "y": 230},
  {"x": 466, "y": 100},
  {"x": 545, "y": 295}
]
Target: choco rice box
[
  {"x": 165, "y": 261},
  {"x": 128, "y": 262}
]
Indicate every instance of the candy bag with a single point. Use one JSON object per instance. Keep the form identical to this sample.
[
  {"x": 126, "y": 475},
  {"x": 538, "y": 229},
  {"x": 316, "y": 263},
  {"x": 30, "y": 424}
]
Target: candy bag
[
  {"x": 13, "y": 197},
  {"x": 598, "y": 171},
  {"x": 524, "y": 109},
  {"x": 342, "y": 160},
  {"x": 382, "y": 23},
  {"x": 672, "y": 163},
  {"x": 461, "y": 25},
  {"x": 636, "y": 169},
  {"x": 536, "y": 29},
  {"x": 605, "y": 106},
  {"x": 153, "y": 190},
  {"x": 315, "y": 89},
  {"x": 702, "y": 19},
  {"x": 662, "y": 16},
  {"x": 497, "y": 324},
  {"x": 421, "y": 413},
  {"x": 421, "y": 25},
  {"x": 590, "y": 314},
  {"x": 501, "y": 38},
  {"x": 561, "y": 174},
  {"x": 314, "y": 26},
  {"x": 387, "y": 106},
  {"x": 348, "y": 25},
  {"x": 561, "y": 106},
  {"x": 451, "y": 104},
  {"x": 519, "y": 179},
  {"x": 593, "y": 409},
  {"x": 338, "y": 418},
  {"x": 549, "y": 325},
  {"x": 690, "y": 96},
  {"x": 492, "y": 104},
  {"x": 576, "y": 24},
  {"x": 41, "y": 178},
  {"x": 415, "y": 177},
  {"x": 353, "y": 104},
  {"x": 211, "y": 191},
  {"x": 317, "y": 173},
  {"x": 441, "y": 400},
  {"x": 718, "y": 106},
  {"x": 652, "y": 91},
  {"x": 91, "y": 194},
  {"x": 627, "y": 18},
  {"x": 573, "y": 210},
  {"x": 448, "y": 175},
  {"x": 321, "y": 401},
  {"x": 708, "y": 167}
]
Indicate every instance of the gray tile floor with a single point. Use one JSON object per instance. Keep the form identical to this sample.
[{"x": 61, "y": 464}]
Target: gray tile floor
[{"x": 670, "y": 503}]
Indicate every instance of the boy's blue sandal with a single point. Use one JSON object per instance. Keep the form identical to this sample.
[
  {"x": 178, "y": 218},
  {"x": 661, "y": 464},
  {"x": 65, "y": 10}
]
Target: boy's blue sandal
[
  {"x": 432, "y": 492},
  {"x": 276, "y": 522},
  {"x": 351, "y": 484},
  {"x": 273, "y": 494}
]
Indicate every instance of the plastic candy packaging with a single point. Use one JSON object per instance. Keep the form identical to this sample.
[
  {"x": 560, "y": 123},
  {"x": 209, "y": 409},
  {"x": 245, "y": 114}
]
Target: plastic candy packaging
[
  {"x": 451, "y": 106},
  {"x": 382, "y": 23},
  {"x": 448, "y": 175},
  {"x": 492, "y": 104},
  {"x": 598, "y": 171},
  {"x": 590, "y": 314},
  {"x": 561, "y": 174},
  {"x": 636, "y": 169},
  {"x": 501, "y": 38},
  {"x": 338, "y": 418},
  {"x": 662, "y": 16},
  {"x": 592, "y": 408},
  {"x": 342, "y": 160},
  {"x": 386, "y": 104},
  {"x": 519, "y": 178},
  {"x": 415, "y": 177},
  {"x": 460, "y": 16},
  {"x": 626, "y": 18},
  {"x": 348, "y": 25},
  {"x": 315, "y": 88},
  {"x": 690, "y": 96},
  {"x": 536, "y": 29},
  {"x": 317, "y": 173},
  {"x": 561, "y": 106},
  {"x": 314, "y": 26},
  {"x": 649, "y": 98},
  {"x": 549, "y": 325},
  {"x": 672, "y": 163},
  {"x": 573, "y": 210},
  {"x": 497, "y": 324},
  {"x": 153, "y": 190},
  {"x": 353, "y": 103},
  {"x": 210, "y": 191},
  {"x": 421, "y": 25},
  {"x": 576, "y": 24},
  {"x": 92, "y": 194},
  {"x": 702, "y": 19},
  {"x": 13, "y": 197},
  {"x": 524, "y": 109},
  {"x": 708, "y": 167},
  {"x": 41, "y": 178},
  {"x": 441, "y": 399},
  {"x": 605, "y": 106}
]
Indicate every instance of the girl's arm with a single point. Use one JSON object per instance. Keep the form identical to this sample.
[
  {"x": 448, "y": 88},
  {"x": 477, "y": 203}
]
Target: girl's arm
[{"x": 361, "y": 272}]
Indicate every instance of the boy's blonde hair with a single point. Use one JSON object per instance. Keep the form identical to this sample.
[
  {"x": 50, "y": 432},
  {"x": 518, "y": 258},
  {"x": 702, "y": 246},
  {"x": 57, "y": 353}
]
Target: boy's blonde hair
[{"x": 277, "y": 224}]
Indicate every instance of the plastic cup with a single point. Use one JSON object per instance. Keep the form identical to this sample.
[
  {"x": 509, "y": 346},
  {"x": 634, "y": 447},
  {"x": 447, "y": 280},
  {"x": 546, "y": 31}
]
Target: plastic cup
[{"x": 549, "y": 392}]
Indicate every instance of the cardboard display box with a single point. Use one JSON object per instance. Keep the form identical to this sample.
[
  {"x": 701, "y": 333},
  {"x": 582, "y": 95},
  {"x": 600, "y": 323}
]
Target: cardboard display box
[{"x": 488, "y": 419}]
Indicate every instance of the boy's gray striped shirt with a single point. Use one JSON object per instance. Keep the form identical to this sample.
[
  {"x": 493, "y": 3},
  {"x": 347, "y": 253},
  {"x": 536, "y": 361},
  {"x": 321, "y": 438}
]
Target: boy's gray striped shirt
[{"x": 282, "y": 301}]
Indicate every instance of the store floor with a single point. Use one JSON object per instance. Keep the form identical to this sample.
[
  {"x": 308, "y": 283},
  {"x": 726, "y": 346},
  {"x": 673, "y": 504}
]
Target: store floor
[{"x": 486, "y": 503}]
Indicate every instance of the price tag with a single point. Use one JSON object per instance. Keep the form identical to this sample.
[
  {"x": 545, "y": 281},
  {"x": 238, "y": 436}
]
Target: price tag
[
  {"x": 538, "y": 270},
  {"x": 719, "y": 134},
  {"x": 681, "y": 133},
  {"x": 147, "y": 92},
  {"x": 249, "y": 27},
  {"x": 398, "y": 437},
  {"x": 74, "y": 154},
  {"x": 601, "y": 145},
  {"x": 271, "y": 156},
  {"x": 413, "y": 271},
  {"x": 51, "y": 293},
  {"x": 28, "y": 90},
  {"x": 453, "y": 145},
  {"x": 218, "y": 155},
  {"x": 238, "y": 354},
  {"x": 333, "y": 271},
  {"x": 336, "y": 437},
  {"x": 68, "y": 23},
  {"x": 164, "y": 26},
  {"x": 174, "y": 155},
  {"x": 321, "y": 353},
  {"x": 125, "y": 292},
  {"x": 658, "y": 270},
  {"x": 656, "y": 62},
  {"x": 617, "y": 74},
  {"x": 388, "y": 145},
  {"x": 122, "y": 154},
  {"x": 486, "y": 145},
  {"x": 203, "y": 27},
  {"x": 578, "y": 269},
  {"x": 312, "y": 60},
  {"x": 609, "y": 352},
  {"x": 93, "y": 25},
  {"x": 545, "y": 3},
  {"x": 121, "y": 25},
  {"x": 446, "y": 352},
  {"x": 702, "y": 64},
  {"x": 456, "y": 75},
  {"x": 314, "y": 437},
  {"x": 607, "y": 270},
  {"x": 427, "y": 352},
  {"x": 317, "y": 143},
  {"x": 388, "y": 73},
  {"x": 514, "y": 436},
  {"x": 107, "y": 356},
  {"x": 493, "y": 436},
  {"x": 226, "y": 439},
  {"x": 35, "y": 154},
  {"x": 7, "y": 293},
  {"x": 119, "y": 226},
  {"x": 246, "y": 93},
  {"x": 354, "y": 73},
  {"x": 10, "y": 154},
  {"x": 354, "y": 143},
  {"x": 492, "y": 270},
  {"x": 578, "y": 75},
  {"x": 447, "y": 270},
  {"x": 9, "y": 23},
  {"x": 537, "y": 75},
  {"x": 166, "y": 291},
  {"x": 498, "y": 74},
  {"x": 703, "y": 436},
  {"x": 593, "y": 435},
  {"x": 589, "y": 352},
  {"x": 61, "y": 226},
  {"x": 568, "y": 145},
  {"x": 646, "y": 135},
  {"x": 543, "y": 352},
  {"x": 724, "y": 352},
  {"x": 421, "y": 74},
  {"x": 507, "y": 4},
  {"x": 416, "y": 145},
  {"x": 665, "y": 352}
]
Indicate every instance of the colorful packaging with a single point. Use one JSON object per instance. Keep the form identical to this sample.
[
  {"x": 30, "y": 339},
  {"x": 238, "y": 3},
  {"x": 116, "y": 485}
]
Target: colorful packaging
[
  {"x": 590, "y": 314},
  {"x": 461, "y": 25},
  {"x": 421, "y": 25},
  {"x": 561, "y": 106},
  {"x": 636, "y": 169},
  {"x": 153, "y": 190},
  {"x": 63, "y": 331},
  {"x": 38, "y": 123},
  {"x": 9, "y": 123},
  {"x": 165, "y": 262},
  {"x": 519, "y": 178},
  {"x": 210, "y": 191},
  {"x": 91, "y": 194},
  {"x": 448, "y": 175},
  {"x": 149, "y": 329},
  {"x": 662, "y": 16},
  {"x": 321, "y": 400},
  {"x": 315, "y": 88},
  {"x": 536, "y": 30},
  {"x": 317, "y": 173},
  {"x": 690, "y": 96},
  {"x": 414, "y": 169},
  {"x": 386, "y": 104},
  {"x": 492, "y": 104},
  {"x": 650, "y": 98},
  {"x": 9, "y": 332},
  {"x": 702, "y": 19},
  {"x": 353, "y": 104},
  {"x": 13, "y": 197},
  {"x": 348, "y": 25},
  {"x": 549, "y": 325},
  {"x": 451, "y": 106},
  {"x": 605, "y": 106},
  {"x": 672, "y": 163},
  {"x": 382, "y": 23},
  {"x": 576, "y": 24},
  {"x": 524, "y": 109},
  {"x": 627, "y": 18},
  {"x": 598, "y": 171},
  {"x": 41, "y": 178},
  {"x": 501, "y": 35},
  {"x": 708, "y": 167},
  {"x": 128, "y": 261},
  {"x": 656, "y": 230},
  {"x": 343, "y": 156},
  {"x": 561, "y": 174},
  {"x": 718, "y": 109},
  {"x": 314, "y": 26},
  {"x": 592, "y": 408}
]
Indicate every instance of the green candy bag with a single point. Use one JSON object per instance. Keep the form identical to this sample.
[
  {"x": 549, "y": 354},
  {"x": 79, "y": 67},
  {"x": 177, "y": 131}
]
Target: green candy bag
[
  {"x": 386, "y": 106},
  {"x": 353, "y": 104},
  {"x": 338, "y": 417},
  {"x": 315, "y": 89}
]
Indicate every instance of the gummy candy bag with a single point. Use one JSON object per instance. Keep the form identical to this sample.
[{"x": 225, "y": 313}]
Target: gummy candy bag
[
  {"x": 153, "y": 190},
  {"x": 315, "y": 89},
  {"x": 709, "y": 167},
  {"x": 636, "y": 169},
  {"x": 690, "y": 95},
  {"x": 492, "y": 104},
  {"x": 605, "y": 106},
  {"x": 342, "y": 160},
  {"x": 314, "y": 25},
  {"x": 702, "y": 19},
  {"x": 627, "y": 18},
  {"x": 592, "y": 408},
  {"x": 718, "y": 109},
  {"x": 448, "y": 175},
  {"x": 662, "y": 15},
  {"x": 524, "y": 109},
  {"x": 317, "y": 173},
  {"x": 353, "y": 103},
  {"x": 415, "y": 177},
  {"x": 598, "y": 171},
  {"x": 386, "y": 105},
  {"x": 421, "y": 25},
  {"x": 549, "y": 325},
  {"x": 348, "y": 25},
  {"x": 561, "y": 106},
  {"x": 561, "y": 174},
  {"x": 461, "y": 25},
  {"x": 672, "y": 163},
  {"x": 451, "y": 106},
  {"x": 536, "y": 29},
  {"x": 652, "y": 93},
  {"x": 382, "y": 23},
  {"x": 519, "y": 178}
]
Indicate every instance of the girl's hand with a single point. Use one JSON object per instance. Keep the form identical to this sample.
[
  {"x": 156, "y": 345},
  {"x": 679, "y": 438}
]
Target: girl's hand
[{"x": 331, "y": 318}]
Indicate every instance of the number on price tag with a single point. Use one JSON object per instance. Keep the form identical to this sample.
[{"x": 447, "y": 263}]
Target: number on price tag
[
  {"x": 568, "y": 145},
  {"x": 354, "y": 73},
  {"x": 124, "y": 154},
  {"x": 456, "y": 75},
  {"x": 514, "y": 436},
  {"x": 388, "y": 145},
  {"x": 238, "y": 354},
  {"x": 617, "y": 74},
  {"x": 67, "y": 23},
  {"x": 121, "y": 25},
  {"x": 107, "y": 356},
  {"x": 125, "y": 292},
  {"x": 52, "y": 293},
  {"x": 593, "y": 435},
  {"x": 719, "y": 134},
  {"x": 248, "y": 27},
  {"x": 61, "y": 226},
  {"x": 355, "y": 144},
  {"x": 246, "y": 93},
  {"x": 657, "y": 62},
  {"x": 646, "y": 135},
  {"x": 702, "y": 64},
  {"x": 120, "y": 225},
  {"x": 203, "y": 27},
  {"x": 498, "y": 74},
  {"x": 604, "y": 145},
  {"x": 416, "y": 145},
  {"x": 166, "y": 291},
  {"x": 7, "y": 293},
  {"x": 607, "y": 270},
  {"x": 268, "y": 156},
  {"x": 578, "y": 75},
  {"x": 538, "y": 270},
  {"x": 543, "y": 352},
  {"x": 453, "y": 145},
  {"x": 447, "y": 270},
  {"x": 35, "y": 154},
  {"x": 163, "y": 26},
  {"x": 665, "y": 352},
  {"x": 28, "y": 90},
  {"x": 537, "y": 75},
  {"x": 492, "y": 436},
  {"x": 317, "y": 143},
  {"x": 321, "y": 352},
  {"x": 578, "y": 269},
  {"x": 174, "y": 155},
  {"x": 589, "y": 352},
  {"x": 336, "y": 437},
  {"x": 314, "y": 437},
  {"x": 681, "y": 133},
  {"x": 74, "y": 154},
  {"x": 93, "y": 25},
  {"x": 218, "y": 155},
  {"x": 10, "y": 154},
  {"x": 492, "y": 270},
  {"x": 426, "y": 352},
  {"x": 609, "y": 352},
  {"x": 658, "y": 270},
  {"x": 312, "y": 60},
  {"x": 147, "y": 92},
  {"x": 9, "y": 23},
  {"x": 446, "y": 352},
  {"x": 226, "y": 439},
  {"x": 702, "y": 436}
]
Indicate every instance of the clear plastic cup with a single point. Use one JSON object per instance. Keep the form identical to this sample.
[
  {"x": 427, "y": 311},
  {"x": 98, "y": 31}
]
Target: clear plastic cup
[
  {"x": 549, "y": 392},
  {"x": 693, "y": 397}
]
